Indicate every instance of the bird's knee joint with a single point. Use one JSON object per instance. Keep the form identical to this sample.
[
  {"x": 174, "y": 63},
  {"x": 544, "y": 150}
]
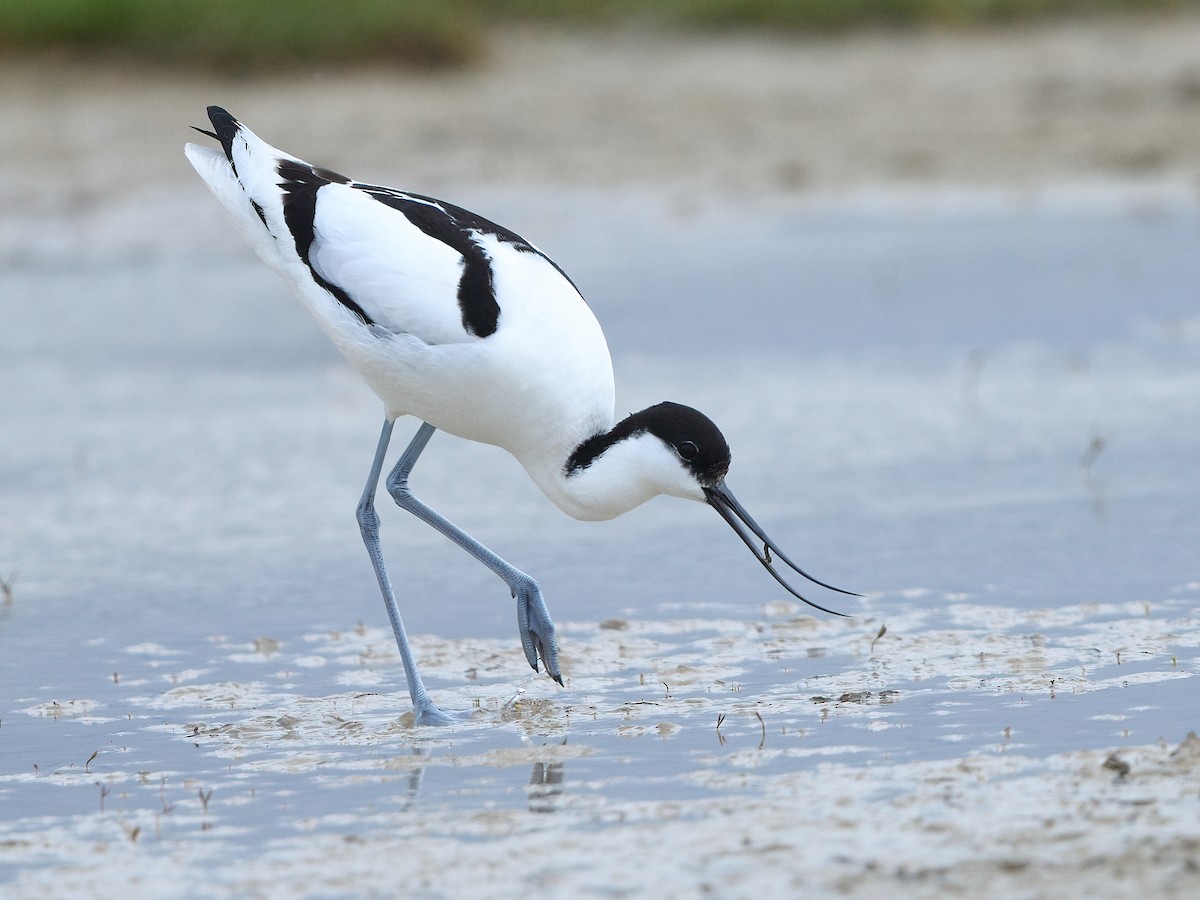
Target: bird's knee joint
[
  {"x": 524, "y": 586},
  {"x": 368, "y": 519},
  {"x": 399, "y": 489}
]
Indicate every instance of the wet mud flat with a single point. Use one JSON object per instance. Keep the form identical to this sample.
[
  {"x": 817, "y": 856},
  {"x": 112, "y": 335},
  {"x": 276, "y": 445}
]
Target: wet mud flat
[{"x": 711, "y": 755}]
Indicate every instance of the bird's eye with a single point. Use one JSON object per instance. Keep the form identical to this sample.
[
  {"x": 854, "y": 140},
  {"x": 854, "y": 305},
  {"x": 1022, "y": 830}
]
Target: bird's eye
[{"x": 688, "y": 450}]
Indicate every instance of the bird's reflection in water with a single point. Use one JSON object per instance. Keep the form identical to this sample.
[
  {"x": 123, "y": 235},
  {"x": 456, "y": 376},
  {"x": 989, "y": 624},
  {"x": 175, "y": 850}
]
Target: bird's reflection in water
[
  {"x": 545, "y": 787},
  {"x": 415, "y": 777}
]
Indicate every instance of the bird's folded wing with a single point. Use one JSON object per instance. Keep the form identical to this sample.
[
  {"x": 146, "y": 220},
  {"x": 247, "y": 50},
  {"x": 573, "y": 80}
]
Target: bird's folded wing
[{"x": 401, "y": 277}]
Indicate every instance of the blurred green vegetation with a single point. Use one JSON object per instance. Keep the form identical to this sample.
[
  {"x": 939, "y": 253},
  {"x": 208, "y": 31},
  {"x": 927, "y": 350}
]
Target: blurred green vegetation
[
  {"x": 822, "y": 15},
  {"x": 247, "y": 33},
  {"x": 255, "y": 34}
]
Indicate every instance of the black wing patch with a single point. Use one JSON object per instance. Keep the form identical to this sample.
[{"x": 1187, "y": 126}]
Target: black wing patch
[
  {"x": 475, "y": 222},
  {"x": 457, "y": 228},
  {"x": 300, "y": 185},
  {"x": 477, "y": 284}
]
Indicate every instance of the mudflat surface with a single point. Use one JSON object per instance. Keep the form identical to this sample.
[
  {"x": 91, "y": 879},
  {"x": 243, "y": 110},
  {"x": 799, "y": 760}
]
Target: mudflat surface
[{"x": 939, "y": 291}]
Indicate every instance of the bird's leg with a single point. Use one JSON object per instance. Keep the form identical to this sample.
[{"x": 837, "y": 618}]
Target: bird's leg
[
  {"x": 533, "y": 619},
  {"x": 425, "y": 711}
]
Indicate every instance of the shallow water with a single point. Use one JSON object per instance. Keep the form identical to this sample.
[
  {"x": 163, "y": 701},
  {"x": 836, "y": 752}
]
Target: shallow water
[{"x": 981, "y": 415}]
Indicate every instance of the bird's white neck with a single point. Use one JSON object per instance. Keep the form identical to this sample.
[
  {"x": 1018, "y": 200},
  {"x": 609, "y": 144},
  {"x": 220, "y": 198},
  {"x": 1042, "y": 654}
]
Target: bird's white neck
[{"x": 625, "y": 475}]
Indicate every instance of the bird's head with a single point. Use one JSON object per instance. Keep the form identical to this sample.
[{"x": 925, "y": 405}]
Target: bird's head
[{"x": 679, "y": 451}]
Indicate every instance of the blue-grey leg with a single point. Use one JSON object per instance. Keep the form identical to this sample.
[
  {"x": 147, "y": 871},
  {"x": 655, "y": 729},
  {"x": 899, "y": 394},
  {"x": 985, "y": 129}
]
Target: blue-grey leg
[
  {"x": 533, "y": 619},
  {"x": 424, "y": 710}
]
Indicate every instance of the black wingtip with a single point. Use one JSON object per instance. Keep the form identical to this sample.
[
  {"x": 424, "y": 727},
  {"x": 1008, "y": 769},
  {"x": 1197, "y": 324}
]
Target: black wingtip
[
  {"x": 226, "y": 128},
  {"x": 219, "y": 116},
  {"x": 204, "y": 131}
]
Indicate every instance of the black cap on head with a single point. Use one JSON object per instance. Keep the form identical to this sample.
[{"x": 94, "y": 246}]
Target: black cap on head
[{"x": 700, "y": 445}]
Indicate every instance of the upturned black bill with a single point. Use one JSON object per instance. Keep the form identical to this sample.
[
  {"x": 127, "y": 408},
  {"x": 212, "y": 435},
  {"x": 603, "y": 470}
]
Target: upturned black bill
[{"x": 764, "y": 549}]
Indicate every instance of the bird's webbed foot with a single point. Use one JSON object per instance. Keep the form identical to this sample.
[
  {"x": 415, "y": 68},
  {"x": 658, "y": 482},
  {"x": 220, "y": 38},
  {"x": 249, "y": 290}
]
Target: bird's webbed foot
[
  {"x": 426, "y": 713},
  {"x": 536, "y": 629}
]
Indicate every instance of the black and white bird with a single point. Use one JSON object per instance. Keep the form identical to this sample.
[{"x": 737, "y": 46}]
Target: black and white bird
[{"x": 468, "y": 327}]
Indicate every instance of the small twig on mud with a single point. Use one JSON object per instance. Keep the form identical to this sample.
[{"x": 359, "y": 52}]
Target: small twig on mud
[{"x": 882, "y": 632}]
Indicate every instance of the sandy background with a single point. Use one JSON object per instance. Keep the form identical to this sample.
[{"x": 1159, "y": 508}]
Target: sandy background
[{"x": 1076, "y": 100}]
